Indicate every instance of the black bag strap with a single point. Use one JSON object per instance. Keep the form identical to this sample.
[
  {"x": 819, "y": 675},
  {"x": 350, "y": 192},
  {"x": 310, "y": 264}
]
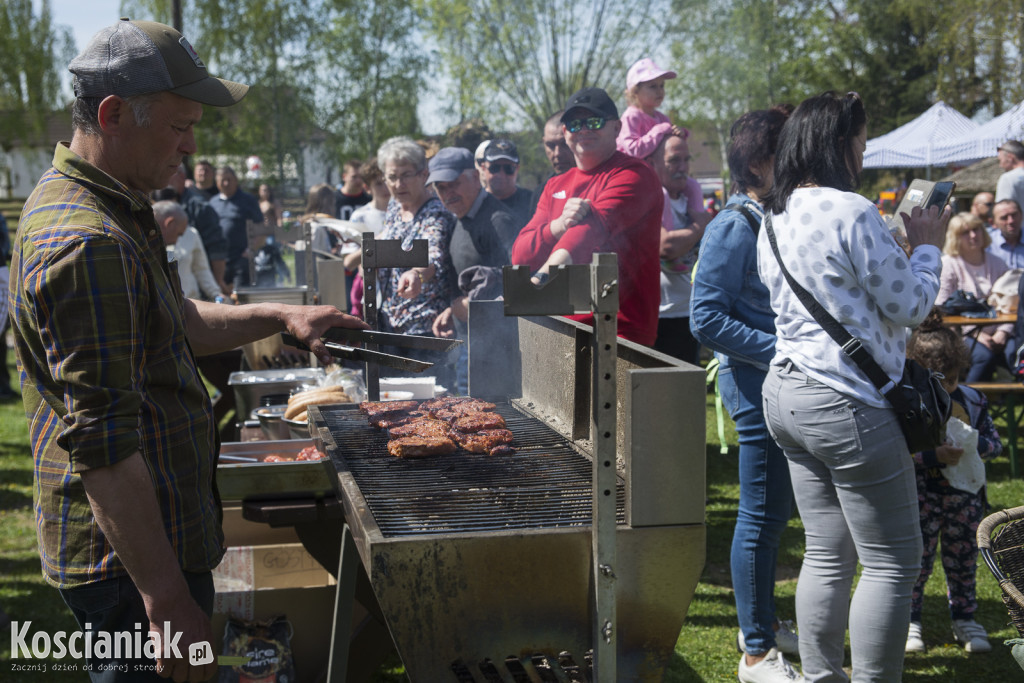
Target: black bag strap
[
  {"x": 851, "y": 346},
  {"x": 752, "y": 220}
]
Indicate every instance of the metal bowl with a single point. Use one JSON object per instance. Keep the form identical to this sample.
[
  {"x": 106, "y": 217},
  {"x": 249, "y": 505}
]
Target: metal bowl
[
  {"x": 272, "y": 422},
  {"x": 297, "y": 429}
]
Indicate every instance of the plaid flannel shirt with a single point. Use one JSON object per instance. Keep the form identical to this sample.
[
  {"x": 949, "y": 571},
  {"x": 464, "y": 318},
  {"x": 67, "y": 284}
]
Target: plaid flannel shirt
[{"x": 106, "y": 370}]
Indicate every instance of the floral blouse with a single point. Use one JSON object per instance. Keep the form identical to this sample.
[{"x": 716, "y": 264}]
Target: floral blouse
[{"x": 435, "y": 224}]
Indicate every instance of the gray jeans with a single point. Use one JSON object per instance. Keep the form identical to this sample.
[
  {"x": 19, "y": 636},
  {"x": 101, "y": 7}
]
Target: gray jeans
[{"x": 853, "y": 480}]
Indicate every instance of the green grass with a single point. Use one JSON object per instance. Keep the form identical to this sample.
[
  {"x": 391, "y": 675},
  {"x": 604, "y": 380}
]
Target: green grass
[{"x": 706, "y": 647}]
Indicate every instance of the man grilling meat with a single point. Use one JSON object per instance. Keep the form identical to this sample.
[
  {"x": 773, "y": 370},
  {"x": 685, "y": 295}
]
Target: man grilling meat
[
  {"x": 610, "y": 202},
  {"x": 123, "y": 435}
]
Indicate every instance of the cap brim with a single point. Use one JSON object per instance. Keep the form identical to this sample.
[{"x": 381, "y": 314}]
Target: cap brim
[
  {"x": 443, "y": 175},
  {"x": 215, "y": 92},
  {"x": 593, "y": 110},
  {"x": 498, "y": 157}
]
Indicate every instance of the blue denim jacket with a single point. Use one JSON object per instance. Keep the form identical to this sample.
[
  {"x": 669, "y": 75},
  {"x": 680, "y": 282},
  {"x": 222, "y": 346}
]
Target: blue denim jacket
[{"x": 730, "y": 311}]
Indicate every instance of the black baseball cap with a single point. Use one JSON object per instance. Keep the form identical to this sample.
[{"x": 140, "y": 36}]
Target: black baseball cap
[{"x": 594, "y": 100}]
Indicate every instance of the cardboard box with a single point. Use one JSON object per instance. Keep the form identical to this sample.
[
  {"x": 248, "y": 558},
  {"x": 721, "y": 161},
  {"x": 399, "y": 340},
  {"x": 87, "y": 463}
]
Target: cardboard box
[
  {"x": 239, "y": 531},
  {"x": 263, "y": 581}
]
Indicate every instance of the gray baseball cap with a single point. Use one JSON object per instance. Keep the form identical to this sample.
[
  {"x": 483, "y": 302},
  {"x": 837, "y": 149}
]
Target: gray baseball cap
[
  {"x": 448, "y": 164},
  {"x": 141, "y": 57}
]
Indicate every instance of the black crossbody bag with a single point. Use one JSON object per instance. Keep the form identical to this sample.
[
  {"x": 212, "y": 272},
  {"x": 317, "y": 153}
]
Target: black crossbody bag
[{"x": 922, "y": 405}]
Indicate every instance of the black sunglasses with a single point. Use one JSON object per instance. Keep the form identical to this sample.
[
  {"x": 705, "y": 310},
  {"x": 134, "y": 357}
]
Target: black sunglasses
[
  {"x": 507, "y": 169},
  {"x": 590, "y": 123}
]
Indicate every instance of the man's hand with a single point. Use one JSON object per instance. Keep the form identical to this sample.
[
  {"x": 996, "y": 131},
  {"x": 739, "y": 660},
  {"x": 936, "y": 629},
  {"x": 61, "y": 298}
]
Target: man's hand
[
  {"x": 186, "y": 618},
  {"x": 443, "y": 326},
  {"x": 309, "y": 323},
  {"x": 574, "y": 212}
]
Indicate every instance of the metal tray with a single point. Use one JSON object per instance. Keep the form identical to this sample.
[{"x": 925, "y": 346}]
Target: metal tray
[{"x": 244, "y": 480}]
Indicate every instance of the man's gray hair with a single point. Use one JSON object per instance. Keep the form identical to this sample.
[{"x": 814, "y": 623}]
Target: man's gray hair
[
  {"x": 85, "y": 112},
  {"x": 163, "y": 209},
  {"x": 401, "y": 150}
]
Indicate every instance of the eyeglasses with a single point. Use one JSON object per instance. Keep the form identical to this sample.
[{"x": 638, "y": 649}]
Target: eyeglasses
[
  {"x": 507, "y": 169},
  {"x": 405, "y": 177},
  {"x": 590, "y": 123}
]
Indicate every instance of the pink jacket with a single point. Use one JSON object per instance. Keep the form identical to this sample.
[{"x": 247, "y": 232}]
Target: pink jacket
[{"x": 641, "y": 132}]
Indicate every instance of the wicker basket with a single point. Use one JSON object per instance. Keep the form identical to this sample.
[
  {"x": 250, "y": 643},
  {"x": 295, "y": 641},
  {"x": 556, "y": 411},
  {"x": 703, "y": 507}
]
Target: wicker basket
[{"x": 1003, "y": 552}]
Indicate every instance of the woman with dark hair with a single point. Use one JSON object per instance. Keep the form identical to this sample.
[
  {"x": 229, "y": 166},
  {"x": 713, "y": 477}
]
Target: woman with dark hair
[
  {"x": 849, "y": 464},
  {"x": 730, "y": 314}
]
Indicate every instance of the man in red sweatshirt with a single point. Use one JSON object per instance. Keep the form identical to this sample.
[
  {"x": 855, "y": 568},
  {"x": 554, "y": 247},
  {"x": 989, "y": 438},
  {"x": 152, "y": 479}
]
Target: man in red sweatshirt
[{"x": 610, "y": 202}]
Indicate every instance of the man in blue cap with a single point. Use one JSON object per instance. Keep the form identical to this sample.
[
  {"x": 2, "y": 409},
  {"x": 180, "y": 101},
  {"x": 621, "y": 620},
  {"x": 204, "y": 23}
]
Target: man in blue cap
[{"x": 483, "y": 235}]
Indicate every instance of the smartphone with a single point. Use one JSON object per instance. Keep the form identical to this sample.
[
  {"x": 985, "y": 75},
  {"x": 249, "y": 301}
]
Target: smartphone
[
  {"x": 923, "y": 193},
  {"x": 940, "y": 195}
]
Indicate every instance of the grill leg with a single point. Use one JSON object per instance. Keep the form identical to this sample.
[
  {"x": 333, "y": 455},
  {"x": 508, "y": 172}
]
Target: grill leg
[{"x": 341, "y": 632}]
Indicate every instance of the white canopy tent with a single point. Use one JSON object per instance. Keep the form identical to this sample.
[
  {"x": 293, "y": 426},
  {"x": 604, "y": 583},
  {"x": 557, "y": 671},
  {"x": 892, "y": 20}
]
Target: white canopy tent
[
  {"x": 983, "y": 141},
  {"x": 913, "y": 144}
]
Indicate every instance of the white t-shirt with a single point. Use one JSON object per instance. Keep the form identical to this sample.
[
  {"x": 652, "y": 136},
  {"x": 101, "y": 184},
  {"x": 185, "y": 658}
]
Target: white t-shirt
[
  {"x": 193, "y": 267},
  {"x": 677, "y": 275},
  {"x": 370, "y": 216},
  {"x": 1011, "y": 186},
  {"x": 836, "y": 245}
]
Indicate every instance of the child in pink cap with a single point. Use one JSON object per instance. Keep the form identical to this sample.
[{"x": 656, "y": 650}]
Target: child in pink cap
[{"x": 643, "y": 126}]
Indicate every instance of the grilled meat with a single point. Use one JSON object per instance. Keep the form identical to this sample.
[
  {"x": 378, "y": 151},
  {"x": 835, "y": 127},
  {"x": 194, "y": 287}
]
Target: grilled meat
[
  {"x": 395, "y": 419},
  {"x": 454, "y": 412},
  {"x": 420, "y": 446},
  {"x": 375, "y": 408},
  {"x": 420, "y": 426},
  {"x": 483, "y": 441},
  {"x": 475, "y": 422},
  {"x": 443, "y": 402},
  {"x": 502, "y": 449}
]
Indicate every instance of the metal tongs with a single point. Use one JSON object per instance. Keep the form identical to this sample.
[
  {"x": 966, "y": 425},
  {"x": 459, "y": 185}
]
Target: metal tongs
[{"x": 339, "y": 350}]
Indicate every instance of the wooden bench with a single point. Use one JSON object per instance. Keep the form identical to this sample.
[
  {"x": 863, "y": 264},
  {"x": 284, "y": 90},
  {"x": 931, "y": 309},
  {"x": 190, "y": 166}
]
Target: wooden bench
[{"x": 1006, "y": 399}]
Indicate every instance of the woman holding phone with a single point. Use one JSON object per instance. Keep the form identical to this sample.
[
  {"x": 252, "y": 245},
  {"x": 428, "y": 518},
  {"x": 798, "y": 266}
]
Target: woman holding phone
[{"x": 852, "y": 475}]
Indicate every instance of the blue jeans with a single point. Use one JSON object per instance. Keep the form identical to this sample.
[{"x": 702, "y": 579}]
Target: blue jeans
[
  {"x": 766, "y": 504},
  {"x": 984, "y": 360},
  {"x": 115, "y": 605},
  {"x": 857, "y": 496}
]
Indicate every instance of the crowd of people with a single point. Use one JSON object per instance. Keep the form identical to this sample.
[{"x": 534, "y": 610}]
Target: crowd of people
[{"x": 121, "y": 261}]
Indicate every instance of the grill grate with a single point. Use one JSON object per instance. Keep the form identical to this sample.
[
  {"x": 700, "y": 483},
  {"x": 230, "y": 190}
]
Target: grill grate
[{"x": 546, "y": 484}]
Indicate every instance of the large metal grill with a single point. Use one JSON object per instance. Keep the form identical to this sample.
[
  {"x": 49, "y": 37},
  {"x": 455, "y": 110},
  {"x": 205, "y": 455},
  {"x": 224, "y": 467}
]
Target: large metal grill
[
  {"x": 546, "y": 484},
  {"x": 493, "y": 567}
]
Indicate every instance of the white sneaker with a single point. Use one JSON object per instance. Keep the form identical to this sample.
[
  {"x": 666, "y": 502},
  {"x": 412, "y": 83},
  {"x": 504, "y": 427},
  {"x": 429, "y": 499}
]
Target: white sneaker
[
  {"x": 786, "y": 640},
  {"x": 971, "y": 635},
  {"x": 772, "y": 669},
  {"x": 915, "y": 637}
]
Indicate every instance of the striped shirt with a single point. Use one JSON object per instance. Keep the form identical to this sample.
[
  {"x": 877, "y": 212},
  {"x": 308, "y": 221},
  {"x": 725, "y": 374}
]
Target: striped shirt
[{"x": 106, "y": 370}]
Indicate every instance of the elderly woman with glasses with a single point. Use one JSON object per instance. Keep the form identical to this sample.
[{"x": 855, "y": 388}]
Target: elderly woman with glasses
[
  {"x": 853, "y": 477},
  {"x": 411, "y": 298}
]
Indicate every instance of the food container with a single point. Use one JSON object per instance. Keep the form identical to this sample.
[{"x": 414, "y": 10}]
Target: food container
[
  {"x": 252, "y": 385},
  {"x": 396, "y": 395},
  {"x": 243, "y": 474},
  {"x": 272, "y": 422},
  {"x": 297, "y": 429},
  {"x": 421, "y": 387}
]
